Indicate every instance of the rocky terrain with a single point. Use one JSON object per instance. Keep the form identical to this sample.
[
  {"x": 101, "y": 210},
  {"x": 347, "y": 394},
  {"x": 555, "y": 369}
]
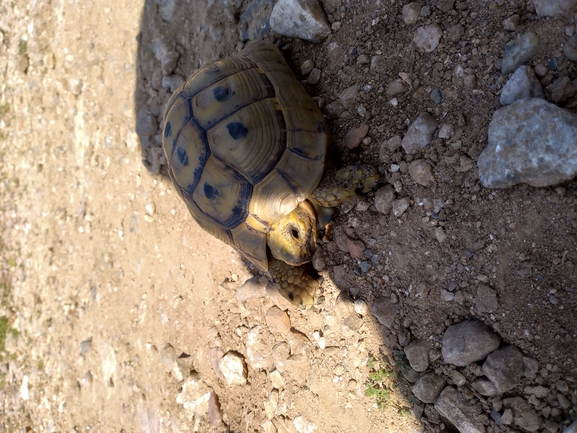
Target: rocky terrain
[{"x": 449, "y": 293}]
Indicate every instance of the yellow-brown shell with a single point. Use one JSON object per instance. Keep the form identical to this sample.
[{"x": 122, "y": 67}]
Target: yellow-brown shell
[{"x": 245, "y": 144}]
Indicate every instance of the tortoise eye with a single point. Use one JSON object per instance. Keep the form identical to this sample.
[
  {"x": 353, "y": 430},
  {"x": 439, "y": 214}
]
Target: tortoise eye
[{"x": 295, "y": 233}]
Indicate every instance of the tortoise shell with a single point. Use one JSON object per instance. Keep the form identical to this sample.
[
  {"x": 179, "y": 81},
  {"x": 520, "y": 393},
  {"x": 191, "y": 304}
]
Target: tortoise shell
[{"x": 245, "y": 144}]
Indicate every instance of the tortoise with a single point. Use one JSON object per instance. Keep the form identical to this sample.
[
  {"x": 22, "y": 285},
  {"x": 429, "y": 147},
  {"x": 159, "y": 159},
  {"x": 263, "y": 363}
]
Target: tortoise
[{"x": 245, "y": 147}]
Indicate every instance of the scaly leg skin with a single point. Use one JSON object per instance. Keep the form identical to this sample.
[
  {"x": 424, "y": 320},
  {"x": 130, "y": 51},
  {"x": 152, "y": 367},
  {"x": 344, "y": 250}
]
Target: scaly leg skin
[
  {"x": 294, "y": 283},
  {"x": 345, "y": 184}
]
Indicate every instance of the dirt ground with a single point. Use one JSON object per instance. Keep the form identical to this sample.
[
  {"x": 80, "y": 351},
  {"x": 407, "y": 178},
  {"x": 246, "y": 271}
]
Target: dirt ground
[{"x": 115, "y": 304}]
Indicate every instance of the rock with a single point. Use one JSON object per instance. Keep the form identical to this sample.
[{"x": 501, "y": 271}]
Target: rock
[
  {"x": 512, "y": 22},
  {"x": 428, "y": 387},
  {"x": 504, "y": 367},
  {"x": 561, "y": 89},
  {"x": 571, "y": 429},
  {"x": 458, "y": 378},
  {"x": 468, "y": 342},
  {"x": 524, "y": 415},
  {"x": 356, "y": 248},
  {"x": 530, "y": 367},
  {"x": 278, "y": 320},
  {"x": 537, "y": 391},
  {"x": 303, "y": 426},
  {"x": 194, "y": 396},
  {"x": 361, "y": 307},
  {"x": 168, "y": 357},
  {"x": 307, "y": 67},
  {"x": 411, "y": 13},
  {"x": 297, "y": 367},
  {"x": 570, "y": 49},
  {"x": 428, "y": 37},
  {"x": 485, "y": 387},
  {"x": 452, "y": 405},
  {"x": 420, "y": 133},
  {"x": 276, "y": 379},
  {"x": 349, "y": 96},
  {"x": 417, "y": 352},
  {"x": 400, "y": 206},
  {"x": 233, "y": 368},
  {"x": 146, "y": 124},
  {"x": 384, "y": 311},
  {"x": 530, "y": 141},
  {"x": 440, "y": 234},
  {"x": 393, "y": 143},
  {"x": 486, "y": 299},
  {"x": 166, "y": 9},
  {"x": 172, "y": 82},
  {"x": 519, "y": 51},
  {"x": 395, "y": 87},
  {"x": 302, "y": 19},
  {"x": 446, "y": 131},
  {"x": 314, "y": 76},
  {"x": 522, "y": 84},
  {"x": 214, "y": 411},
  {"x": 258, "y": 353},
  {"x": 384, "y": 198},
  {"x": 254, "y": 22},
  {"x": 548, "y": 8},
  {"x": 253, "y": 288},
  {"x": 421, "y": 172},
  {"x": 355, "y": 135}
]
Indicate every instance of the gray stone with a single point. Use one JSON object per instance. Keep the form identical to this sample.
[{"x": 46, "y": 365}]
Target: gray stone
[
  {"x": 524, "y": 415},
  {"x": 349, "y": 96},
  {"x": 166, "y": 9},
  {"x": 512, "y": 22},
  {"x": 522, "y": 84},
  {"x": 428, "y": 387},
  {"x": 427, "y": 38},
  {"x": 570, "y": 49},
  {"x": 561, "y": 90},
  {"x": 531, "y": 141},
  {"x": 302, "y": 19},
  {"x": 421, "y": 172},
  {"x": 420, "y": 133},
  {"x": 571, "y": 429},
  {"x": 417, "y": 352},
  {"x": 400, "y": 206},
  {"x": 254, "y": 22},
  {"x": 530, "y": 367},
  {"x": 557, "y": 8},
  {"x": 537, "y": 391},
  {"x": 468, "y": 342},
  {"x": 452, "y": 405},
  {"x": 384, "y": 311},
  {"x": 485, "y": 387},
  {"x": 504, "y": 367},
  {"x": 486, "y": 299},
  {"x": 519, "y": 51},
  {"x": 411, "y": 13},
  {"x": 384, "y": 198}
]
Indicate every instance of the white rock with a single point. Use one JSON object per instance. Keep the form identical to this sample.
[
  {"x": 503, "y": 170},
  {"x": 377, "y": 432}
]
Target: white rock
[
  {"x": 232, "y": 367},
  {"x": 302, "y": 19},
  {"x": 194, "y": 396}
]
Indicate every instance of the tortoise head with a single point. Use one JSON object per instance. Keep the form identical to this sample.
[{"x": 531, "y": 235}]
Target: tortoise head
[{"x": 293, "y": 238}]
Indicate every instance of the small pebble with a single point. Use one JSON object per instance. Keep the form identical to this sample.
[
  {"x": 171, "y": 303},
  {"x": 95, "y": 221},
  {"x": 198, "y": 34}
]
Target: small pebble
[{"x": 361, "y": 307}]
